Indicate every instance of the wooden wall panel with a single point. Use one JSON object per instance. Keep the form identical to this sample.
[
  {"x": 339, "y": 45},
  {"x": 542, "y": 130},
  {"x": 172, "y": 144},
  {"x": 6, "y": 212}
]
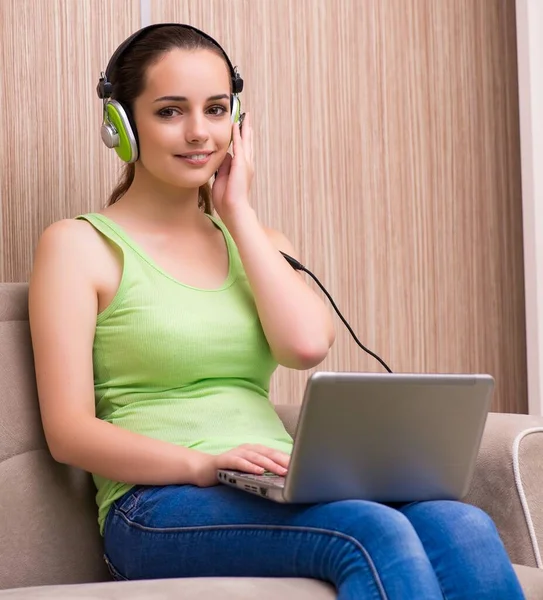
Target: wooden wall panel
[
  {"x": 52, "y": 160},
  {"x": 387, "y": 150}
]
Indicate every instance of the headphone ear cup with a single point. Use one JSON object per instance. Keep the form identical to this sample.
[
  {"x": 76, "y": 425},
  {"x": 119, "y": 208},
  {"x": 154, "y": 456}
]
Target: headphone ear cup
[
  {"x": 236, "y": 108},
  {"x": 117, "y": 132}
]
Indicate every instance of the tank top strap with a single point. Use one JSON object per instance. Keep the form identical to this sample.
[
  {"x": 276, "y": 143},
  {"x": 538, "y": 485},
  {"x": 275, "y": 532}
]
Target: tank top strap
[
  {"x": 233, "y": 252},
  {"x": 107, "y": 228}
]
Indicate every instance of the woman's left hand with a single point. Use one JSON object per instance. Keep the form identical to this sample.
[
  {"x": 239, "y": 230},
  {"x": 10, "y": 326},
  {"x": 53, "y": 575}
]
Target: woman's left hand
[{"x": 233, "y": 181}]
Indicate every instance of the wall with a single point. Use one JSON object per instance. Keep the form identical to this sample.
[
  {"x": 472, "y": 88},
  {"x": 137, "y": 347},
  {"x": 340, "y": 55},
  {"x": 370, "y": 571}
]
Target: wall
[
  {"x": 530, "y": 51},
  {"x": 387, "y": 150}
]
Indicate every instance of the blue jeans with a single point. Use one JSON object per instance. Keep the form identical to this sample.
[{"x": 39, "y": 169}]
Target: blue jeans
[{"x": 417, "y": 551}]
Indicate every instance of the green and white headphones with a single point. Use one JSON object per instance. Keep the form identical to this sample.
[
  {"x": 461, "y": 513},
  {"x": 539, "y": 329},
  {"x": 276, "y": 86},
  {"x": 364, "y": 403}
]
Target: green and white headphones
[{"x": 118, "y": 129}]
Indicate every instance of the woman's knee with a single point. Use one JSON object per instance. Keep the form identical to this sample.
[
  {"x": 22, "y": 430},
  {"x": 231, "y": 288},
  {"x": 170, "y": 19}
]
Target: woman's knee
[
  {"x": 383, "y": 542},
  {"x": 368, "y": 521},
  {"x": 458, "y": 521}
]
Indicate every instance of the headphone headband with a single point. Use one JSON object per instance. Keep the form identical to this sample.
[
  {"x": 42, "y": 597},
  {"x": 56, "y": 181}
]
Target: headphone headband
[{"x": 104, "y": 89}]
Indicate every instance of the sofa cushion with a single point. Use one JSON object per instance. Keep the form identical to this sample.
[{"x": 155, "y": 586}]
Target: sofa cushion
[
  {"x": 48, "y": 522},
  {"x": 507, "y": 483},
  {"x": 189, "y": 589},
  {"x": 531, "y": 581},
  {"x": 48, "y": 516},
  {"x": 214, "y": 587}
]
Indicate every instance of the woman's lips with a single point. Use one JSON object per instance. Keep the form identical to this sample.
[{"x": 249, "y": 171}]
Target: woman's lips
[{"x": 197, "y": 159}]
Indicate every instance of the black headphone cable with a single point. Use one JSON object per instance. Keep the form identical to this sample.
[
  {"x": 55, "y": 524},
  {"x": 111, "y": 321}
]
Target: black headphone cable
[{"x": 297, "y": 266}]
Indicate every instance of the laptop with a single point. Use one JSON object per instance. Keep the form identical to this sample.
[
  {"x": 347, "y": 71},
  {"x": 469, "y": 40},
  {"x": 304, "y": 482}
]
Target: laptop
[{"x": 382, "y": 437}]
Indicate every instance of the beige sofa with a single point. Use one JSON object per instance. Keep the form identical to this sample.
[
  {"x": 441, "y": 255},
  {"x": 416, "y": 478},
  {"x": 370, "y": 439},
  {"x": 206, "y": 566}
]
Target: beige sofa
[{"x": 49, "y": 541}]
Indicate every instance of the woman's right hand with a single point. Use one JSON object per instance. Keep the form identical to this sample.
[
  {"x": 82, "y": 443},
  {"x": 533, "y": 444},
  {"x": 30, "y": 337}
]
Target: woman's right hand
[{"x": 249, "y": 458}]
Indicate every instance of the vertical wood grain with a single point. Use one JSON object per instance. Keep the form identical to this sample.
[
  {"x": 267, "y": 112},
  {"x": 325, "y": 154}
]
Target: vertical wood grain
[
  {"x": 387, "y": 150},
  {"x": 54, "y": 165}
]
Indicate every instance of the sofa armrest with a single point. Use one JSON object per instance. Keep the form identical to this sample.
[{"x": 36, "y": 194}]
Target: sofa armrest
[{"x": 507, "y": 483}]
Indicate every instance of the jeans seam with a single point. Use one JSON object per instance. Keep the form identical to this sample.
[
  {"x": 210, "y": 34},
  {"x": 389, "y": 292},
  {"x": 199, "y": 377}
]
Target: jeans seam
[
  {"x": 114, "y": 572},
  {"x": 293, "y": 528}
]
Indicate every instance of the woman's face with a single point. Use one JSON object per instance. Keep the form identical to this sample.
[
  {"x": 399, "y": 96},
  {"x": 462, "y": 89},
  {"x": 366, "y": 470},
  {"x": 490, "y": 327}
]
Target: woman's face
[{"x": 183, "y": 117}]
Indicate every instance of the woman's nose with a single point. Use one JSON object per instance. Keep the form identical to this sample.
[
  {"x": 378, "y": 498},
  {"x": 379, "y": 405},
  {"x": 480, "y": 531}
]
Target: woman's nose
[{"x": 196, "y": 129}]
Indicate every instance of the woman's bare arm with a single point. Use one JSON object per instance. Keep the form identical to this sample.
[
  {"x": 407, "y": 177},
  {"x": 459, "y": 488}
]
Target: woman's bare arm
[
  {"x": 63, "y": 307},
  {"x": 297, "y": 324}
]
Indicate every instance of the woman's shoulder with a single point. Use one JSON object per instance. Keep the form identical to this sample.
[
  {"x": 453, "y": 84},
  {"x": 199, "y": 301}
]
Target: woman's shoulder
[
  {"x": 68, "y": 240},
  {"x": 66, "y": 228}
]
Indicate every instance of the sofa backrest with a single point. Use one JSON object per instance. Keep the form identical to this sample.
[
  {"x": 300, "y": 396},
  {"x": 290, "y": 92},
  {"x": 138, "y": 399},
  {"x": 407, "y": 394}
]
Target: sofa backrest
[{"x": 48, "y": 517}]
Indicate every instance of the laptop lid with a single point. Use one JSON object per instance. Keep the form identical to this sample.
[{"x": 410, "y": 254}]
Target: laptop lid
[{"x": 388, "y": 437}]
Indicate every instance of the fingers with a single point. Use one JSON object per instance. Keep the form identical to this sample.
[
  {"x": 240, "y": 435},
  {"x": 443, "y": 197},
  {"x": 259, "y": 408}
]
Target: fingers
[
  {"x": 225, "y": 166},
  {"x": 281, "y": 458},
  {"x": 267, "y": 463},
  {"x": 256, "y": 459},
  {"x": 237, "y": 463},
  {"x": 247, "y": 137},
  {"x": 237, "y": 145},
  {"x": 242, "y": 139}
]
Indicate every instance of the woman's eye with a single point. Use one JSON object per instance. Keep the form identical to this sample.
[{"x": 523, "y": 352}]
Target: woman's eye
[
  {"x": 167, "y": 113},
  {"x": 217, "y": 110}
]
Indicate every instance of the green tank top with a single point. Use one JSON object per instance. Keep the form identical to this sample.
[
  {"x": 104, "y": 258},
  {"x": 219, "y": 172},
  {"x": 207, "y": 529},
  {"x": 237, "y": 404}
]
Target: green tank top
[{"x": 181, "y": 364}]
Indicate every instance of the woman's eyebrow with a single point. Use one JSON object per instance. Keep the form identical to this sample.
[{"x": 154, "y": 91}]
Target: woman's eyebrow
[{"x": 184, "y": 99}]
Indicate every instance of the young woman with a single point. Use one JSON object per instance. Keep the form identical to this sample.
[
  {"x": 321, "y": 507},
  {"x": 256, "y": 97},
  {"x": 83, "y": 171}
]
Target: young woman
[{"x": 156, "y": 326}]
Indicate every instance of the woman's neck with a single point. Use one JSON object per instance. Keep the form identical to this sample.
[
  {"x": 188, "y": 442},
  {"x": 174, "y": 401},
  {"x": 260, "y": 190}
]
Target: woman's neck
[{"x": 160, "y": 204}]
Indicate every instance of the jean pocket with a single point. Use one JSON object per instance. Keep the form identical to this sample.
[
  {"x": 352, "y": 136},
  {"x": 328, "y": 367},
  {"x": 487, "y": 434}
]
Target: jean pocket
[
  {"x": 113, "y": 571},
  {"x": 129, "y": 501}
]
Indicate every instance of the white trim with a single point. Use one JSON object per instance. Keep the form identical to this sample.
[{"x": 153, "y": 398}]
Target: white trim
[
  {"x": 522, "y": 495},
  {"x": 145, "y": 13},
  {"x": 529, "y": 17}
]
